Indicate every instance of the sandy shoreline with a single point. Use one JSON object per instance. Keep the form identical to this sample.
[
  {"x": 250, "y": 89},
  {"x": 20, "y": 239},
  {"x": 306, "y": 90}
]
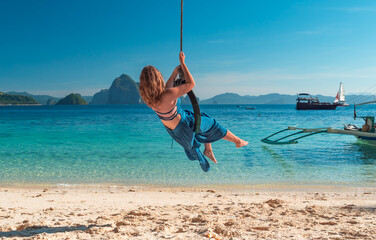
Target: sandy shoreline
[{"x": 116, "y": 212}]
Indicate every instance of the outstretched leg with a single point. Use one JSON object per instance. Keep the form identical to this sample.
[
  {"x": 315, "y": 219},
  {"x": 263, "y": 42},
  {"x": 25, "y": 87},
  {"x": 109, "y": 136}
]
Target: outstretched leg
[
  {"x": 209, "y": 152},
  {"x": 232, "y": 138}
]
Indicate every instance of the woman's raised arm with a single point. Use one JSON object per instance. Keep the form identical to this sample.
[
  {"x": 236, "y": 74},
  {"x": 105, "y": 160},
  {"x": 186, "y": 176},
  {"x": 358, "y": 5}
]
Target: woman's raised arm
[
  {"x": 179, "y": 91},
  {"x": 174, "y": 74}
]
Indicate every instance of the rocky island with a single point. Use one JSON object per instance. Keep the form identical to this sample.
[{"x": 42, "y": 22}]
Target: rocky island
[
  {"x": 72, "y": 99},
  {"x": 123, "y": 90},
  {"x": 8, "y": 99}
]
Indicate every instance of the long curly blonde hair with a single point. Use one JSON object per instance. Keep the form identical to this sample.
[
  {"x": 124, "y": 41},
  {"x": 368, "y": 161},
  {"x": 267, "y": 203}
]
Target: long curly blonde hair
[{"x": 151, "y": 86}]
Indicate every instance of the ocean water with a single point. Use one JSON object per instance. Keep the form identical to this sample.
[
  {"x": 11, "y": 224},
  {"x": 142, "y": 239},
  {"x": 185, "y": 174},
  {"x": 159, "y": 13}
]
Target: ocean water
[{"x": 128, "y": 145}]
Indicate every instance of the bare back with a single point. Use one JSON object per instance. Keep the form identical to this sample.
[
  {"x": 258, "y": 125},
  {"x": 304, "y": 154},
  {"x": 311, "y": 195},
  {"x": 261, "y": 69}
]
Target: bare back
[{"x": 167, "y": 109}]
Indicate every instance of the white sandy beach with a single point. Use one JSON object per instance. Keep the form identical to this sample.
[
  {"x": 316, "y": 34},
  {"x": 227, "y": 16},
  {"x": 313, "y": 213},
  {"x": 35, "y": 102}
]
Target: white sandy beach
[{"x": 176, "y": 213}]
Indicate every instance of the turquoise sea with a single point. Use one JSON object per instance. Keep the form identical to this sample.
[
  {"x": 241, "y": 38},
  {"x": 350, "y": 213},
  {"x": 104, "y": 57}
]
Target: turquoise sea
[{"x": 128, "y": 145}]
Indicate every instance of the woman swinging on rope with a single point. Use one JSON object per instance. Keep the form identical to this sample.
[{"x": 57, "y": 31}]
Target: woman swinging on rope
[{"x": 164, "y": 99}]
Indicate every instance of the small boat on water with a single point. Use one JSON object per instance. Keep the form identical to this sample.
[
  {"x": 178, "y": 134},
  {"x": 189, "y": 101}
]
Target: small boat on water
[
  {"x": 340, "y": 98},
  {"x": 307, "y": 102},
  {"x": 365, "y": 134},
  {"x": 246, "y": 108}
]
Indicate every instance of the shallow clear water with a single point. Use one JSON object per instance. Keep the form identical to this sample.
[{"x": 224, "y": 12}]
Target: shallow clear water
[{"x": 128, "y": 145}]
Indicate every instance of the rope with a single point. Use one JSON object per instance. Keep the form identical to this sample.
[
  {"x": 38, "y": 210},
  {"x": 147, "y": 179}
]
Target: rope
[
  {"x": 364, "y": 95},
  {"x": 181, "y": 26},
  {"x": 191, "y": 95}
]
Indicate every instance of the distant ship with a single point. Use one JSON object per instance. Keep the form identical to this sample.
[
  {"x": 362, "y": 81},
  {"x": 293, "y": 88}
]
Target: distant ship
[
  {"x": 340, "y": 98},
  {"x": 307, "y": 102}
]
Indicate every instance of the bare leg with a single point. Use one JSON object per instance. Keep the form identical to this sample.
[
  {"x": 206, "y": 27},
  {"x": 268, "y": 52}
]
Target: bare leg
[
  {"x": 232, "y": 138},
  {"x": 209, "y": 152}
]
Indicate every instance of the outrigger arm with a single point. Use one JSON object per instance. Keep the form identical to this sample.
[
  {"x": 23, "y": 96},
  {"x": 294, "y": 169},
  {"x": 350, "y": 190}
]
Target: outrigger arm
[{"x": 306, "y": 132}]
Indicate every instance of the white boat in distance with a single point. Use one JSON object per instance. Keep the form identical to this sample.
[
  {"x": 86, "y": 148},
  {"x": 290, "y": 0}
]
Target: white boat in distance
[{"x": 340, "y": 98}]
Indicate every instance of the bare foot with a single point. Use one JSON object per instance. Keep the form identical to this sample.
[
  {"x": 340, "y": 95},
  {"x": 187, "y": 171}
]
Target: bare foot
[
  {"x": 210, "y": 155},
  {"x": 241, "y": 143}
]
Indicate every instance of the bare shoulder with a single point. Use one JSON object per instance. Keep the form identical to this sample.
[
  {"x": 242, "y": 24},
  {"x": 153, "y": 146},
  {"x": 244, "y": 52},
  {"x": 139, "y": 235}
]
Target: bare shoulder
[
  {"x": 167, "y": 101},
  {"x": 169, "y": 95}
]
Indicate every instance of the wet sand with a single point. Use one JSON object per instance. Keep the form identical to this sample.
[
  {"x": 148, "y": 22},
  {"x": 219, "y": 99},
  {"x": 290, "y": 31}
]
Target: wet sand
[{"x": 186, "y": 213}]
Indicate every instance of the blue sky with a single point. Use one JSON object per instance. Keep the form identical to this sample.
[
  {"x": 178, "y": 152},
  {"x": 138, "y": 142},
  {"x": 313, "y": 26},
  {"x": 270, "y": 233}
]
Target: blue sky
[{"x": 242, "y": 46}]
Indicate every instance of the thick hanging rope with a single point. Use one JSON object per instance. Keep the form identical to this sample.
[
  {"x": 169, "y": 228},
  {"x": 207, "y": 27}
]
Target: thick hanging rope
[
  {"x": 181, "y": 26},
  {"x": 181, "y": 80}
]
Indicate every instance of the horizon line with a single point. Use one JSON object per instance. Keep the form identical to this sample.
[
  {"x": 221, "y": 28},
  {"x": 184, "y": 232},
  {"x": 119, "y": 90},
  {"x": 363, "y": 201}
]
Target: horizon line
[{"x": 91, "y": 95}]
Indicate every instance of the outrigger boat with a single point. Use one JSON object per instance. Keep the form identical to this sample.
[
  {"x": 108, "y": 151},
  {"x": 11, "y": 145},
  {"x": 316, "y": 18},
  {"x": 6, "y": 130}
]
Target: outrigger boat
[{"x": 366, "y": 134}]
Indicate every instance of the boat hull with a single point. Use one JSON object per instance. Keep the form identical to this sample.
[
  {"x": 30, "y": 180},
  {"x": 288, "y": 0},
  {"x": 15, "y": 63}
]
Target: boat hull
[
  {"x": 367, "y": 140},
  {"x": 343, "y": 105},
  {"x": 313, "y": 106}
]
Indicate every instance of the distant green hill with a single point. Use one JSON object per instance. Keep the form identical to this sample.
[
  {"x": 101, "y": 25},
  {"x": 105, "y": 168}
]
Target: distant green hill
[
  {"x": 276, "y": 98},
  {"x": 233, "y": 98},
  {"x": 42, "y": 99},
  {"x": 45, "y": 99},
  {"x": 16, "y": 99},
  {"x": 72, "y": 99}
]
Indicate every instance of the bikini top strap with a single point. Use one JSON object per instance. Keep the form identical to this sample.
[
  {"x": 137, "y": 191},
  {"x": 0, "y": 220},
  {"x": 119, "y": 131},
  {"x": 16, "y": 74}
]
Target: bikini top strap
[{"x": 177, "y": 104}]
